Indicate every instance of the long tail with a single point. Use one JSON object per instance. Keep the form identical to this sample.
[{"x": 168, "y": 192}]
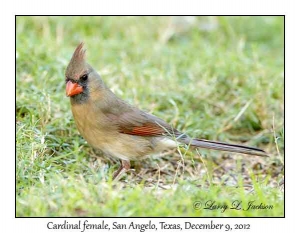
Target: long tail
[{"x": 227, "y": 147}]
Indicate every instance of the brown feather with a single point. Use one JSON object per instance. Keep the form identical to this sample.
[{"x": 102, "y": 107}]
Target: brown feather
[
  {"x": 136, "y": 122},
  {"x": 77, "y": 65},
  {"x": 147, "y": 129},
  {"x": 79, "y": 53}
]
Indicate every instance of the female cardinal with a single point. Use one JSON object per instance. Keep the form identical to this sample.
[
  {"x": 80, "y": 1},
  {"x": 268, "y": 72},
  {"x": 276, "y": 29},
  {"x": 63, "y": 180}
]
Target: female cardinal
[{"x": 119, "y": 129}]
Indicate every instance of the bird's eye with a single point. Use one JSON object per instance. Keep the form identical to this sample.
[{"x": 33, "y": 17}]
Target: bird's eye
[{"x": 84, "y": 77}]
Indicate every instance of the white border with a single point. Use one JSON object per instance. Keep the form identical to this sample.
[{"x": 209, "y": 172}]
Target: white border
[{"x": 8, "y": 11}]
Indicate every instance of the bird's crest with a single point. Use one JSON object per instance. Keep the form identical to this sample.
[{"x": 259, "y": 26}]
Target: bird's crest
[
  {"x": 77, "y": 64},
  {"x": 79, "y": 53}
]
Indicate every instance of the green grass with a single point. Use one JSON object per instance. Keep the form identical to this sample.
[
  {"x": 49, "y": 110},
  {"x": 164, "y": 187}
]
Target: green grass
[{"x": 224, "y": 83}]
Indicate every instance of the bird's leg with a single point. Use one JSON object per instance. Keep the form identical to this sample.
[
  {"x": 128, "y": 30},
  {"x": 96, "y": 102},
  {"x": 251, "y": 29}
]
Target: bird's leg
[
  {"x": 117, "y": 172},
  {"x": 125, "y": 166}
]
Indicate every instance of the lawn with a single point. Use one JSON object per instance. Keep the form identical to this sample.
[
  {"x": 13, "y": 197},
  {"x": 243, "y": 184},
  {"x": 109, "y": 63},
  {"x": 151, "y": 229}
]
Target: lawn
[{"x": 218, "y": 78}]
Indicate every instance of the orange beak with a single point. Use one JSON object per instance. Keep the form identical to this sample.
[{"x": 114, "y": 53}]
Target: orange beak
[{"x": 73, "y": 88}]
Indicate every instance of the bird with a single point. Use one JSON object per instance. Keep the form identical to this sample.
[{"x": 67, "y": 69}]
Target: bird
[{"x": 121, "y": 130}]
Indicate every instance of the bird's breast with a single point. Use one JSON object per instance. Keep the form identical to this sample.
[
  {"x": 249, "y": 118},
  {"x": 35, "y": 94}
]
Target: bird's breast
[{"x": 92, "y": 124}]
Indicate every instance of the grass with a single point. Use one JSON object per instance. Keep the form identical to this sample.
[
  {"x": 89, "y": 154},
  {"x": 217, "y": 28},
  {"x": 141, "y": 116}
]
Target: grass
[{"x": 217, "y": 78}]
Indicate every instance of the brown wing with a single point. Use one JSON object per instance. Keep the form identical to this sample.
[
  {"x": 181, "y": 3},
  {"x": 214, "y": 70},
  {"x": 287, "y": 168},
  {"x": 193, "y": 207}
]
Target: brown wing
[
  {"x": 148, "y": 129},
  {"x": 142, "y": 124}
]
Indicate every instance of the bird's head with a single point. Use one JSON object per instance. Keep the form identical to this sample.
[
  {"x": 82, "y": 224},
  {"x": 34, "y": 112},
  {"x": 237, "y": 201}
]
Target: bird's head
[{"x": 80, "y": 76}]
